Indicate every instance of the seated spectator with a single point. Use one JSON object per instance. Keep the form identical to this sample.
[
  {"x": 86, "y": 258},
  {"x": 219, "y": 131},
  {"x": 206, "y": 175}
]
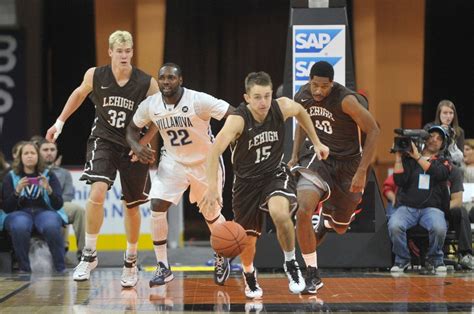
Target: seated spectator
[
  {"x": 468, "y": 171},
  {"x": 76, "y": 214},
  {"x": 459, "y": 220},
  {"x": 447, "y": 117},
  {"x": 422, "y": 198},
  {"x": 389, "y": 191},
  {"x": 32, "y": 199}
]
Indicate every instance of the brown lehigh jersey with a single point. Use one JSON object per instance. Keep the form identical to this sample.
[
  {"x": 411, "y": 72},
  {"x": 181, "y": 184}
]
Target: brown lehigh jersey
[
  {"x": 335, "y": 129},
  {"x": 258, "y": 152},
  {"x": 115, "y": 105}
]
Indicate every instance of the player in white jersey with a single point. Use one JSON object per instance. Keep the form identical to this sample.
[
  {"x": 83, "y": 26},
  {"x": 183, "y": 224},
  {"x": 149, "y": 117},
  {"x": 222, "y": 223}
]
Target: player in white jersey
[{"x": 183, "y": 120}]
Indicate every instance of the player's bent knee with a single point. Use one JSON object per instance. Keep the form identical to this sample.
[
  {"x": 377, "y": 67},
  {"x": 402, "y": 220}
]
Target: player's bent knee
[
  {"x": 340, "y": 229},
  {"x": 158, "y": 205},
  {"x": 280, "y": 217},
  {"x": 304, "y": 213},
  {"x": 132, "y": 211}
]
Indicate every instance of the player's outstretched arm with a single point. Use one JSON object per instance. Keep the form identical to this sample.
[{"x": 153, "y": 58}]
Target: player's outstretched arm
[
  {"x": 291, "y": 108},
  {"x": 366, "y": 122},
  {"x": 150, "y": 133},
  {"x": 144, "y": 154},
  {"x": 74, "y": 101},
  {"x": 230, "y": 131}
]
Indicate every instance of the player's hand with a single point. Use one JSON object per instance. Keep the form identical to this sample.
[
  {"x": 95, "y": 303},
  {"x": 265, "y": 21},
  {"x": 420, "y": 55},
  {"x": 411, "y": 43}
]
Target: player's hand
[
  {"x": 133, "y": 157},
  {"x": 53, "y": 132},
  {"x": 293, "y": 161},
  {"x": 210, "y": 202},
  {"x": 50, "y": 134},
  {"x": 321, "y": 150},
  {"x": 145, "y": 154},
  {"x": 358, "y": 181}
]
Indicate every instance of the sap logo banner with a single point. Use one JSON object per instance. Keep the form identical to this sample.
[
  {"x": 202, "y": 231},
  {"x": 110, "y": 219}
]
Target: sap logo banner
[
  {"x": 303, "y": 66},
  {"x": 313, "y": 40}
]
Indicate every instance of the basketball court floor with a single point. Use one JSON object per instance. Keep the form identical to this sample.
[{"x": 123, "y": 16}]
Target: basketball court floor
[{"x": 193, "y": 290}]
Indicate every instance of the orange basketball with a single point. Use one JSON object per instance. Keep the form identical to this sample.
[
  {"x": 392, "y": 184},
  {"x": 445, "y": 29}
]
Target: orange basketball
[{"x": 228, "y": 239}]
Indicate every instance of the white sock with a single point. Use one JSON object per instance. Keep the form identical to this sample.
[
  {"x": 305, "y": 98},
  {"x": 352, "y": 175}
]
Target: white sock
[
  {"x": 132, "y": 249},
  {"x": 289, "y": 256},
  {"x": 159, "y": 235},
  {"x": 311, "y": 259},
  {"x": 218, "y": 221},
  {"x": 91, "y": 241},
  {"x": 248, "y": 268}
]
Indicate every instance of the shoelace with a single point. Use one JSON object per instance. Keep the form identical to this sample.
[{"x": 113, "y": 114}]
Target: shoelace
[
  {"x": 293, "y": 270},
  {"x": 219, "y": 264},
  {"x": 159, "y": 271}
]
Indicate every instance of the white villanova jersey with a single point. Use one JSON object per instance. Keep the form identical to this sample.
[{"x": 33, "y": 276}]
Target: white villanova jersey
[{"x": 185, "y": 128}]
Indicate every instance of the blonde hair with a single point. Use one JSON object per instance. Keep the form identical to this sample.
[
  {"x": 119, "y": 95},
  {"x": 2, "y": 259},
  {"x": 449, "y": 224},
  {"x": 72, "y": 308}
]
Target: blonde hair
[
  {"x": 120, "y": 37},
  {"x": 469, "y": 142}
]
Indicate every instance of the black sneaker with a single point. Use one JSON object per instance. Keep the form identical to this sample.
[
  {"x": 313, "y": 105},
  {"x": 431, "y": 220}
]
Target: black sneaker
[
  {"x": 162, "y": 275},
  {"x": 313, "y": 281},
  {"x": 295, "y": 278},
  {"x": 252, "y": 289},
  {"x": 221, "y": 269}
]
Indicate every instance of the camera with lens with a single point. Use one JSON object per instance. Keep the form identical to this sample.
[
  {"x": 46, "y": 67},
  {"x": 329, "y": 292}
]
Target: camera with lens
[{"x": 402, "y": 142}]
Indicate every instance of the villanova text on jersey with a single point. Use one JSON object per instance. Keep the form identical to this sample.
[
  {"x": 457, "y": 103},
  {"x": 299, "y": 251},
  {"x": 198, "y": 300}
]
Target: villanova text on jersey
[
  {"x": 174, "y": 122},
  {"x": 264, "y": 137},
  {"x": 117, "y": 101}
]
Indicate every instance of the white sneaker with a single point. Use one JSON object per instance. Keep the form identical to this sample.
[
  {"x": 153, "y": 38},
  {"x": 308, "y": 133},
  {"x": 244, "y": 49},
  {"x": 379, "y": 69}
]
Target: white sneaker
[
  {"x": 129, "y": 272},
  {"x": 86, "y": 265},
  {"x": 252, "y": 289},
  {"x": 296, "y": 281}
]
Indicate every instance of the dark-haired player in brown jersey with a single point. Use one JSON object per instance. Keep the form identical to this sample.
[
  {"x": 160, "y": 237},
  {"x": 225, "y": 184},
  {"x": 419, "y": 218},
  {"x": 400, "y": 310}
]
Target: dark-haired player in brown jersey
[
  {"x": 116, "y": 91},
  {"x": 339, "y": 115},
  {"x": 262, "y": 183}
]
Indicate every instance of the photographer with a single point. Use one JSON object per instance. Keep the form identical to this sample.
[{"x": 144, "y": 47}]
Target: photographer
[{"x": 422, "y": 197}]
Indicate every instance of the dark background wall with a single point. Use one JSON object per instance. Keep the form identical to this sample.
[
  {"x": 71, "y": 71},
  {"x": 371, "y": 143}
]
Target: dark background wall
[
  {"x": 68, "y": 51},
  {"x": 449, "y": 68}
]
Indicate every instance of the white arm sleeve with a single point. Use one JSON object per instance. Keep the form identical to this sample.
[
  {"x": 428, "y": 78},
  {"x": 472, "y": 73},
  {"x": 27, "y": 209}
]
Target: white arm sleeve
[
  {"x": 142, "y": 115},
  {"x": 208, "y": 107}
]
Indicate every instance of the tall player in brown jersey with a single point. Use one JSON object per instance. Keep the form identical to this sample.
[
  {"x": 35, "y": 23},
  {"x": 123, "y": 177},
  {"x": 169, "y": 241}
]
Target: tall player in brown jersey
[
  {"x": 116, "y": 91},
  {"x": 339, "y": 115},
  {"x": 256, "y": 133}
]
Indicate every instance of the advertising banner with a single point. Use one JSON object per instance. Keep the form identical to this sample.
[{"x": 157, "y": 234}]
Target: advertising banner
[
  {"x": 313, "y": 43},
  {"x": 12, "y": 89}
]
